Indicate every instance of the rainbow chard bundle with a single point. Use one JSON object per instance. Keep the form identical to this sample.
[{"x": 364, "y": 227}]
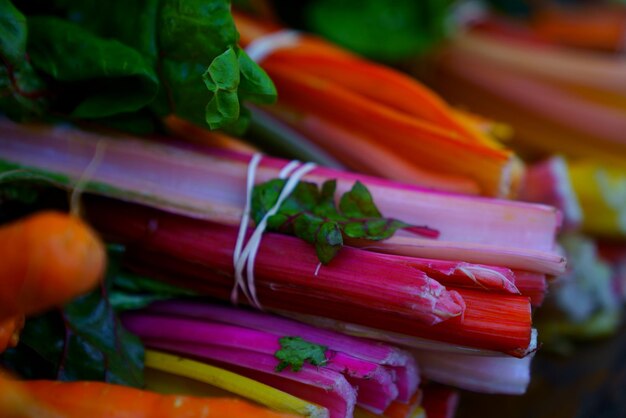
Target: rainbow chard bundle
[
  {"x": 565, "y": 101},
  {"x": 459, "y": 275}
]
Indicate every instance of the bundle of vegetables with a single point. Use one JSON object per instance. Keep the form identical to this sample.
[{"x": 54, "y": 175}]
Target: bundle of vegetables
[
  {"x": 466, "y": 291},
  {"x": 568, "y": 102},
  {"x": 401, "y": 131}
]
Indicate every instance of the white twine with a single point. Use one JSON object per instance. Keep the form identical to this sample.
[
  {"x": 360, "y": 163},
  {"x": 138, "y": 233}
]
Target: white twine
[
  {"x": 244, "y": 256},
  {"x": 262, "y": 47}
]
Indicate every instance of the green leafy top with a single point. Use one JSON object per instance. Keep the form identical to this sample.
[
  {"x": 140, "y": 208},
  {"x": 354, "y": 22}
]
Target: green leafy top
[
  {"x": 125, "y": 64},
  {"x": 294, "y": 351},
  {"x": 310, "y": 213}
]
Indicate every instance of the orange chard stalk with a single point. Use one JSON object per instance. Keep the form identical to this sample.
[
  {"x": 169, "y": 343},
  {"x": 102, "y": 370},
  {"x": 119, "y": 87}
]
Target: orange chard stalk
[
  {"x": 354, "y": 150},
  {"x": 384, "y": 107},
  {"x": 428, "y": 145}
]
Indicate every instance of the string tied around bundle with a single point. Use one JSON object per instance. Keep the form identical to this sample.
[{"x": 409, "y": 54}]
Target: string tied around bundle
[{"x": 245, "y": 253}]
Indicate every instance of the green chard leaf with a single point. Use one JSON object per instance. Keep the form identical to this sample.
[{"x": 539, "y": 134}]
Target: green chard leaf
[
  {"x": 99, "y": 77},
  {"x": 83, "y": 341},
  {"x": 199, "y": 42},
  {"x": 295, "y": 351},
  {"x": 128, "y": 64},
  {"x": 311, "y": 214}
]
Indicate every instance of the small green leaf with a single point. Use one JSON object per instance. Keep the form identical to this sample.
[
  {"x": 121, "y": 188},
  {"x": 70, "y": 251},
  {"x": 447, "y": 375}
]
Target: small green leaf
[
  {"x": 264, "y": 196},
  {"x": 310, "y": 213},
  {"x": 255, "y": 84},
  {"x": 328, "y": 241},
  {"x": 295, "y": 351},
  {"x": 223, "y": 73},
  {"x": 358, "y": 203}
]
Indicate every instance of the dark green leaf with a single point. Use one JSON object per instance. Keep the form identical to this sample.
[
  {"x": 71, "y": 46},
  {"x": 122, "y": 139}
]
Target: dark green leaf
[
  {"x": 99, "y": 77},
  {"x": 195, "y": 30},
  {"x": 294, "y": 352},
  {"x": 83, "y": 341},
  {"x": 115, "y": 60}
]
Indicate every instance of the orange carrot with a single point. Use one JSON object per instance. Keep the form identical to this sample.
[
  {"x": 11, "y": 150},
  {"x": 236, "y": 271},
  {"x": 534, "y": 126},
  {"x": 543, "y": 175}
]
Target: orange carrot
[
  {"x": 16, "y": 402},
  {"x": 48, "y": 259},
  {"x": 103, "y": 400}
]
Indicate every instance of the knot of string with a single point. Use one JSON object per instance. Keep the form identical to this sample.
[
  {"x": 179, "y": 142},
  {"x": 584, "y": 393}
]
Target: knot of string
[{"x": 245, "y": 253}]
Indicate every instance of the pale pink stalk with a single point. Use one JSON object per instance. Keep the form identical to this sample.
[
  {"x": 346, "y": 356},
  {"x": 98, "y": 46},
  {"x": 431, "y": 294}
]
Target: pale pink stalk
[
  {"x": 211, "y": 185},
  {"x": 540, "y": 98},
  {"x": 551, "y": 263},
  {"x": 547, "y": 62},
  {"x": 488, "y": 374}
]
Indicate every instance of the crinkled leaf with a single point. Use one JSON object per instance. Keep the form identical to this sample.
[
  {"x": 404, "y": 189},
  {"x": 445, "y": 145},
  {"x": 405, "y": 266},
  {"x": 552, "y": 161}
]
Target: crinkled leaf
[
  {"x": 295, "y": 351},
  {"x": 83, "y": 341},
  {"x": 115, "y": 60},
  {"x": 311, "y": 214},
  {"x": 223, "y": 73},
  {"x": 255, "y": 84}
]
